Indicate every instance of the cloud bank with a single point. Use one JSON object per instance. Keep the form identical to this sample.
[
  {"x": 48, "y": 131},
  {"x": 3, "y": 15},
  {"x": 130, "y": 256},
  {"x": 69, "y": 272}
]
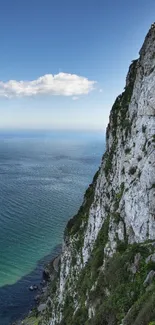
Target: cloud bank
[{"x": 62, "y": 84}]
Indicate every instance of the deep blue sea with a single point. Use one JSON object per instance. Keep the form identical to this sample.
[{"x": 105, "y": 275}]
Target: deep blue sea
[{"x": 43, "y": 176}]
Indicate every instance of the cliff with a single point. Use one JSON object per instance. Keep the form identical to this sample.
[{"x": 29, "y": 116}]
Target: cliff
[{"x": 107, "y": 269}]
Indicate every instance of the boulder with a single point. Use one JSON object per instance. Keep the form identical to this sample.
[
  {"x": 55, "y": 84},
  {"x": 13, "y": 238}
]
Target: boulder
[
  {"x": 37, "y": 298},
  {"x": 33, "y": 287},
  {"x": 150, "y": 258},
  {"x": 149, "y": 278},
  {"x": 41, "y": 308},
  {"x": 135, "y": 266}
]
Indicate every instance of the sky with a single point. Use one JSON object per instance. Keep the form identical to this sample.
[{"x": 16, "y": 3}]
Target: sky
[{"x": 63, "y": 62}]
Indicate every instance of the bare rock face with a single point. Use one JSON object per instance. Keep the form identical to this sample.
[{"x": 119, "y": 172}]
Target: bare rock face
[
  {"x": 119, "y": 206},
  {"x": 124, "y": 191},
  {"x": 135, "y": 266},
  {"x": 149, "y": 278},
  {"x": 150, "y": 258}
]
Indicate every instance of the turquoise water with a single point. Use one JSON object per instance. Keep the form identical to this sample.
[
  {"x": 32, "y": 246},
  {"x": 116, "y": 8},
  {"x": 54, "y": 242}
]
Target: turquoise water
[{"x": 43, "y": 177}]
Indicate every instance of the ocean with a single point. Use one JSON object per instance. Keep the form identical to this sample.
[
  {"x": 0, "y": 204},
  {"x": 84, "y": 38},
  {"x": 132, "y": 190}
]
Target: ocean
[{"x": 43, "y": 176}]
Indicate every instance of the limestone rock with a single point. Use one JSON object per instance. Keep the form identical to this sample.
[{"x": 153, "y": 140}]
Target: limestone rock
[
  {"x": 121, "y": 199},
  {"x": 124, "y": 193},
  {"x": 149, "y": 278},
  {"x": 41, "y": 308},
  {"x": 150, "y": 258}
]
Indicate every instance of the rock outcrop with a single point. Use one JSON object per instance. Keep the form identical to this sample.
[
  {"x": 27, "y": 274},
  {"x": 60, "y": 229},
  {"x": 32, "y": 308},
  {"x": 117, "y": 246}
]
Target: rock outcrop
[{"x": 108, "y": 246}]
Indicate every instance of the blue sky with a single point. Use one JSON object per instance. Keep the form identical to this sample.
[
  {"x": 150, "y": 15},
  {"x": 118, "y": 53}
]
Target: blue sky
[{"x": 76, "y": 52}]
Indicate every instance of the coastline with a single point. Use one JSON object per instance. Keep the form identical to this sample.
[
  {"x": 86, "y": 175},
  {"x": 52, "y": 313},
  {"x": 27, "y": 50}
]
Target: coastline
[
  {"x": 49, "y": 274},
  {"x": 18, "y": 298}
]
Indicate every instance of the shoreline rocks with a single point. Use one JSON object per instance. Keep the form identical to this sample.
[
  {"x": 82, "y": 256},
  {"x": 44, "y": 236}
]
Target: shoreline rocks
[{"x": 33, "y": 287}]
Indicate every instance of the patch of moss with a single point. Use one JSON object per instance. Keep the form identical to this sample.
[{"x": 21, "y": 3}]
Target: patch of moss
[
  {"x": 139, "y": 158},
  {"x": 142, "y": 311},
  {"x": 118, "y": 196},
  {"x": 143, "y": 128},
  {"x": 116, "y": 217},
  {"x": 118, "y": 116},
  {"x": 123, "y": 171},
  {"x": 31, "y": 320},
  {"x": 121, "y": 246},
  {"x": 132, "y": 170},
  {"x": 124, "y": 288},
  {"x": 87, "y": 278},
  {"x": 144, "y": 147},
  {"x": 127, "y": 150},
  {"x": 109, "y": 158},
  {"x": 76, "y": 225},
  {"x": 139, "y": 173}
]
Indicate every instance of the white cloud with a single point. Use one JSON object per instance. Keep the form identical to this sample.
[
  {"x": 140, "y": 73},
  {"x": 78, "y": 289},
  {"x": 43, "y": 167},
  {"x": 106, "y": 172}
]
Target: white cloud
[
  {"x": 63, "y": 84},
  {"x": 101, "y": 90}
]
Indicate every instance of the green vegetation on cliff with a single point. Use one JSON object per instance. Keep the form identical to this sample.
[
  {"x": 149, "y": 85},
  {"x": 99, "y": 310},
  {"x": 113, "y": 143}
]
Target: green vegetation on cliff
[
  {"x": 116, "y": 290},
  {"x": 107, "y": 272}
]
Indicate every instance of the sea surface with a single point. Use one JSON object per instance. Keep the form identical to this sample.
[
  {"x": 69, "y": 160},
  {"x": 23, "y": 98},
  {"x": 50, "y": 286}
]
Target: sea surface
[{"x": 43, "y": 176}]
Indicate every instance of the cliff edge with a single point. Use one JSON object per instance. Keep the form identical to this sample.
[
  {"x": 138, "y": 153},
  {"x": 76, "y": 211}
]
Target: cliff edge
[{"x": 107, "y": 269}]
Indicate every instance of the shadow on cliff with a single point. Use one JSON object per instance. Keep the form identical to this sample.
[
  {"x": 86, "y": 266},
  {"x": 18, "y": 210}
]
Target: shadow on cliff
[{"x": 16, "y": 300}]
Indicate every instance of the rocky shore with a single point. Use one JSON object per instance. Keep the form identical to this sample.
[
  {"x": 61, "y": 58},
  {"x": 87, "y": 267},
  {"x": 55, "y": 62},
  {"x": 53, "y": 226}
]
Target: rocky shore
[{"x": 42, "y": 297}]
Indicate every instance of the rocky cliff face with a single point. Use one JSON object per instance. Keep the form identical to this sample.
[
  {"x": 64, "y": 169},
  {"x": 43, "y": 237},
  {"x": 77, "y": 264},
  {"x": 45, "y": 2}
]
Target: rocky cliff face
[{"x": 107, "y": 267}]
